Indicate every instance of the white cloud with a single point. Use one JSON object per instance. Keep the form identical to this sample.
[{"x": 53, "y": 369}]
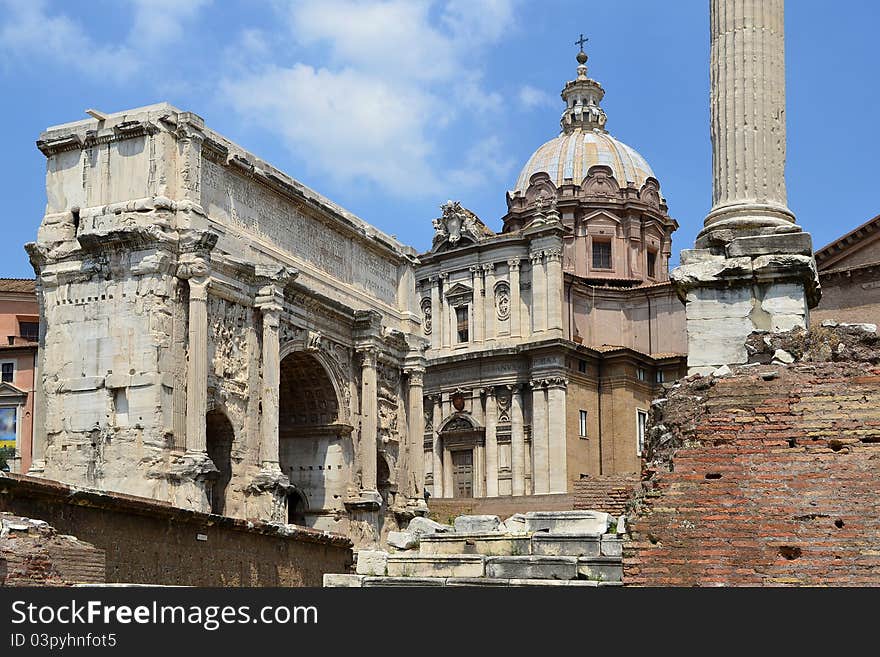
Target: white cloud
[
  {"x": 30, "y": 31},
  {"x": 159, "y": 22},
  {"x": 393, "y": 75},
  {"x": 36, "y": 30},
  {"x": 532, "y": 97},
  {"x": 341, "y": 123}
]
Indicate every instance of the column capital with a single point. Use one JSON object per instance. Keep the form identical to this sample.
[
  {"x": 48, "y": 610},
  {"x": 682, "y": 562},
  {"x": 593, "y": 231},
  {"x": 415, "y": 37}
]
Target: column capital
[
  {"x": 443, "y": 275},
  {"x": 553, "y": 255},
  {"x": 513, "y": 263},
  {"x": 369, "y": 355},
  {"x": 536, "y": 257},
  {"x": 475, "y": 269},
  {"x": 489, "y": 267},
  {"x": 556, "y": 382},
  {"x": 416, "y": 376}
]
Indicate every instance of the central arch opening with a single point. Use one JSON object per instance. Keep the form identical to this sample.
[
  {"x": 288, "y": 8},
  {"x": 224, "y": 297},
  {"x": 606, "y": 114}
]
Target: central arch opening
[{"x": 315, "y": 448}]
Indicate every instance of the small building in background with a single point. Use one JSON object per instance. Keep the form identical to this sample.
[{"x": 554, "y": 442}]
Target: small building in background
[
  {"x": 849, "y": 271},
  {"x": 19, "y": 335}
]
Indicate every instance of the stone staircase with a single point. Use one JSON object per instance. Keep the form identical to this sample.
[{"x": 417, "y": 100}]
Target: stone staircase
[{"x": 551, "y": 548}]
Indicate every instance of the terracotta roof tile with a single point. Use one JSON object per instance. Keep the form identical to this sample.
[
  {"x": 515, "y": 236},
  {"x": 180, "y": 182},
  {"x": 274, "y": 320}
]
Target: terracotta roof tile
[{"x": 17, "y": 285}]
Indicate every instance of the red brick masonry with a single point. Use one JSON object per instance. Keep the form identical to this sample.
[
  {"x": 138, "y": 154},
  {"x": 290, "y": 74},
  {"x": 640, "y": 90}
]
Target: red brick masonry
[
  {"x": 33, "y": 554},
  {"x": 768, "y": 476},
  {"x": 149, "y": 542}
]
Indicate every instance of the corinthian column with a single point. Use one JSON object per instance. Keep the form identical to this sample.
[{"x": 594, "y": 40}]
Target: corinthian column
[
  {"x": 369, "y": 421},
  {"x": 747, "y": 109},
  {"x": 195, "y": 269},
  {"x": 269, "y": 301},
  {"x": 539, "y": 293},
  {"x": 436, "y": 314},
  {"x": 515, "y": 330},
  {"x": 416, "y": 426},
  {"x": 554, "y": 289}
]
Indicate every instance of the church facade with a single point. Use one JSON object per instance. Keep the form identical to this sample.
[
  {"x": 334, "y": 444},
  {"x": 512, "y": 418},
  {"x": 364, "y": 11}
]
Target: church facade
[{"x": 550, "y": 339}]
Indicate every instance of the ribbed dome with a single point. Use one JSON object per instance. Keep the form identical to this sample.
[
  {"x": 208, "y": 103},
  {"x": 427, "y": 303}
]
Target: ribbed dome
[{"x": 569, "y": 157}]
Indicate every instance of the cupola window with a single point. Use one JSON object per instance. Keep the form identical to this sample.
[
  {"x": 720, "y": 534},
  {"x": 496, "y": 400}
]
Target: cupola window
[{"x": 601, "y": 254}]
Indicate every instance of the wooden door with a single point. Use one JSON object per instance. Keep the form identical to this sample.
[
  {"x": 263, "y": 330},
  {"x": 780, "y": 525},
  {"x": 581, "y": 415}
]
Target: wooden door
[{"x": 463, "y": 473}]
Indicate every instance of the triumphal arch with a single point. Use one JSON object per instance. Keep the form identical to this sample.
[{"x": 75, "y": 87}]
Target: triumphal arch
[{"x": 219, "y": 336}]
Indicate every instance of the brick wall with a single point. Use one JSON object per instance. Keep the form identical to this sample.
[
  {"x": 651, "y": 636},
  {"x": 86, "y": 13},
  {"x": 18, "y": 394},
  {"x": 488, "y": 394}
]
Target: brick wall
[
  {"x": 32, "y": 553},
  {"x": 608, "y": 493},
  {"x": 768, "y": 476},
  {"x": 148, "y": 542}
]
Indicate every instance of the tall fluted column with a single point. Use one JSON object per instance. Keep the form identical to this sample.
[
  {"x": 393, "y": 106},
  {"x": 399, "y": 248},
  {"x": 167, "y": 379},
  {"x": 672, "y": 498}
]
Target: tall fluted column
[
  {"x": 436, "y": 314},
  {"x": 369, "y": 421},
  {"x": 491, "y": 332},
  {"x": 491, "y": 443},
  {"x": 540, "y": 439},
  {"x": 747, "y": 109},
  {"x": 517, "y": 441},
  {"x": 753, "y": 267},
  {"x": 539, "y": 293},
  {"x": 556, "y": 428},
  {"x": 515, "y": 330},
  {"x": 554, "y": 290}
]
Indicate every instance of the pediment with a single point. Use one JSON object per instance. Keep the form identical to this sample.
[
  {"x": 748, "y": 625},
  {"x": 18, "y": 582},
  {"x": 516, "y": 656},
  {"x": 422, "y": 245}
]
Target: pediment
[
  {"x": 601, "y": 218},
  {"x": 459, "y": 290},
  {"x": 9, "y": 392}
]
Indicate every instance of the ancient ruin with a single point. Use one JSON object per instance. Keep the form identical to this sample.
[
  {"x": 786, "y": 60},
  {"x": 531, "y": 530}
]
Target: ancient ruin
[{"x": 217, "y": 335}]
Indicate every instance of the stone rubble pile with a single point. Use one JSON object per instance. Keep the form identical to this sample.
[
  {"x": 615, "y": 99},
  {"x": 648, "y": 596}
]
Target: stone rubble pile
[{"x": 539, "y": 548}]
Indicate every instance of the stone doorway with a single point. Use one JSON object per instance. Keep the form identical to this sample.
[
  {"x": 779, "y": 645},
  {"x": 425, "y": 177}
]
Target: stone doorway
[
  {"x": 219, "y": 436},
  {"x": 315, "y": 448},
  {"x": 463, "y": 473}
]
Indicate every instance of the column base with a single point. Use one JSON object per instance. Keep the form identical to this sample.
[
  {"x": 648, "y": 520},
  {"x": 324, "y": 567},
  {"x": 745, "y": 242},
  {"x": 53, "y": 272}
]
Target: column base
[{"x": 759, "y": 283}]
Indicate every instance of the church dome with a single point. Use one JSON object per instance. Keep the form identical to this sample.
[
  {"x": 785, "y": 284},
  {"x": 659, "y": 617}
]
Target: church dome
[
  {"x": 569, "y": 157},
  {"x": 584, "y": 141}
]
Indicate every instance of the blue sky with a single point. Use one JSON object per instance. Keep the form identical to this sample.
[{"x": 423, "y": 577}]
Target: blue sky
[{"x": 392, "y": 107}]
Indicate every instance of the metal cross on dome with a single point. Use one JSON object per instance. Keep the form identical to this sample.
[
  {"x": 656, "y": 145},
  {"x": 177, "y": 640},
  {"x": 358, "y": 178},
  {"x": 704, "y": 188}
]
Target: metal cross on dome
[{"x": 580, "y": 42}]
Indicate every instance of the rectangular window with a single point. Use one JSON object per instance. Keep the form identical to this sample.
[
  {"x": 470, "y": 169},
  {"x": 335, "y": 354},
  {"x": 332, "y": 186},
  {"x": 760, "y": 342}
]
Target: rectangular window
[
  {"x": 652, "y": 264},
  {"x": 29, "y": 330},
  {"x": 641, "y": 430},
  {"x": 659, "y": 376},
  {"x": 582, "y": 366},
  {"x": 8, "y": 372},
  {"x": 461, "y": 315},
  {"x": 601, "y": 255},
  {"x": 8, "y": 430},
  {"x": 583, "y": 424},
  {"x": 642, "y": 374}
]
